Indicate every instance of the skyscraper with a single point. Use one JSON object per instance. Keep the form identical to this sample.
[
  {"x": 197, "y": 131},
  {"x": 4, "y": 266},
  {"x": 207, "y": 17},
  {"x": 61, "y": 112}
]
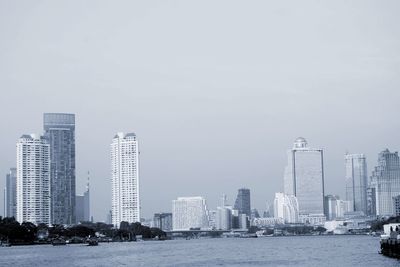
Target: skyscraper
[
  {"x": 385, "y": 181},
  {"x": 189, "y": 212},
  {"x": 304, "y": 178},
  {"x": 60, "y": 131},
  {"x": 242, "y": 203},
  {"x": 33, "y": 180},
  {"x": 10, "y": 194},
  {"x": 125, "y": 179},
  {"x": 356, "y": 181}
]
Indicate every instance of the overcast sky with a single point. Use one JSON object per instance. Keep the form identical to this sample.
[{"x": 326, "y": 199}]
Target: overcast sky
[{"x": 216, "y": 91}]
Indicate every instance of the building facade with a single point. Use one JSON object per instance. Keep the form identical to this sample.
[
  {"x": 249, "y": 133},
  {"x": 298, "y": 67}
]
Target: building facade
[
  {"x": 304, "y": 178},
  {"x": 33, "y": 180},
  {"x": 83, "y": 206},
  {"x": 10, "y": 194},
  {"x": 242, "y": 203},
  {"x": 337, "y": 208},
  {"x": 189, "y": 213},
  {"x": 60, "y": 131},
  {"x": 356, "y": 181},
  {"x": 125, "y": 179},
  {"x": 163, "y": 221},
  {"x": 396, "y": 205},
  {"x": 286, "y": 208},
  {"x": 385, "y": 181},
  {"x": 224, "y": 218}
]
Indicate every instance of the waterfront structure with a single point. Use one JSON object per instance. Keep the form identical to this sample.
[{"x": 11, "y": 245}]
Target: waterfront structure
[
  {"x": 312, "y": 219},
  {"x": 304, "y": 178},
  {"x": 60, "y": 131},
  {"x": 356, "y": 181},
  {"x": 33, "y": 180},
  {"x": 189, "y": 213},
  {"x": 286, "y": 208},
  {"x": 10, "y": 194},
  {"x": 242, "y": 203},
  {"x": 266, "y": 222},
  {"x": 125, "y": 179},
  {"x": 385, "y": 180},
  {"x": 337, "y": 208},
  {"x": 163, "y": 221}
]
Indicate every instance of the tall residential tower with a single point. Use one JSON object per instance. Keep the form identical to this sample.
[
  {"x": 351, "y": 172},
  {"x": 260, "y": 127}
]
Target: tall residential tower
[
  {"x": 60, "y": 131},
  {"x": 125, "y": 179},
  {"x": 33, "y": 180}
]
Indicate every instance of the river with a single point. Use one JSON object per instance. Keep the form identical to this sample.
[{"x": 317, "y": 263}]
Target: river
[{"x": 268, "y": 251}]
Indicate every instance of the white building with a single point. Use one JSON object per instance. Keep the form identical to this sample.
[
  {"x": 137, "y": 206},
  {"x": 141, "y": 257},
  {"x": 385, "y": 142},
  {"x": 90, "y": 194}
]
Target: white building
[
  {"x": 189, "y": 212},
  {"x": 286, "y": 208},
  {"x": 264, "y": 222},
  {"x": 33, "y": 180},
  {"x": 304, "y": 178},
  {"x": 125, "y": 179}
]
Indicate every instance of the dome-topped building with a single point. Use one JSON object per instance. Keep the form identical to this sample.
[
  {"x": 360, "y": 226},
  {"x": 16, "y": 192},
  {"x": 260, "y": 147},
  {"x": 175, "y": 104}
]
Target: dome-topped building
[{"x": 300, "y": 143}]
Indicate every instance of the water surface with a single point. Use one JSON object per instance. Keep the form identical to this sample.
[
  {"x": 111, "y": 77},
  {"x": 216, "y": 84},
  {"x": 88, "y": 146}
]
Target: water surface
[{"x": 270, "y": 251}]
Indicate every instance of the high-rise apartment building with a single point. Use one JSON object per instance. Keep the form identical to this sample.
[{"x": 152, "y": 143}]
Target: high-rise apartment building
[
  {"x": 356, "y": 181},
  {"x": 60, "y": 131},
  {"x": 304, "y": 178},
  {"x": 286, "y": 208},
  {"x": 10, "y": 194},
  {"x": 189, "y": 213},
  {"x": 125, "y": 179},
  {"x": 385, "y": 181},
  {"x": 242, "y": 203},
  {"x": 33, "y": 180}
]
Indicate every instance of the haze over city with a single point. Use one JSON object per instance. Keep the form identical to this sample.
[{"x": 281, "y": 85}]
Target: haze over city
[{"x": 215, "y": 101}]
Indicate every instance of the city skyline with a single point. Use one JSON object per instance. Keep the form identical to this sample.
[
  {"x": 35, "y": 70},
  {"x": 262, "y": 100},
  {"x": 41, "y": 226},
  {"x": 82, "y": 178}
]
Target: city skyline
[
  {"x": 299, "y": 145},
  {"x": 215, "y": 101}
]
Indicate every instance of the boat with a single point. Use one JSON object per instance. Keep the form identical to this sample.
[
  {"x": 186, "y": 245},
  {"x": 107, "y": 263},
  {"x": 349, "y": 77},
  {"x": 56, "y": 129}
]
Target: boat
[
  {"x": 58, "y": 242},
  {"x": 93, "y": 242},
  {"x": 390, "y": 240},
  {"x": 5, "y": 244}
]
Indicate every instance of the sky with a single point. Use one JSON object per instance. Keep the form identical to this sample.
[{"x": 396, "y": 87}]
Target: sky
[{"x": 216, "y": 91}]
